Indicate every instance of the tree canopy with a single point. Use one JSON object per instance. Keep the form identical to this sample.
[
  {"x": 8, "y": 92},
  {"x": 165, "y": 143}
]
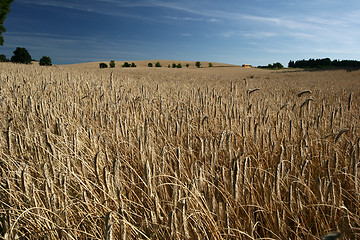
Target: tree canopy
[
  {"x": 276, "y": 65},
  {"x": 324, "y": 63},
  {"x": 4, "y": 10},
  {"x": 45, "y": 61},
  {"x": 21, "y": 55}
]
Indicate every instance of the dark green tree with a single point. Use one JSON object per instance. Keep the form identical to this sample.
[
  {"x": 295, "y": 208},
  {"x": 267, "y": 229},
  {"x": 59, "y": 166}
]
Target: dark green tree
[
  {"x": 45, "y": 61},
  {"x": 179, "y": 65},
  {"x": 103, "y": 65},
  {"x": 150, "y": 65},
  {"x": 174, "y": 65},
  {"x": 112, "y": 64},
  {"x": 133, "y": 65},
  {"x": 3, "y": 58},
  {"x": 4, "y": 10},
  {"x": 126, "y": 64},
  {"x": 157, "y": 64},
  {"x": 210, "y": 65},
  {"x": 278, "y": 65},
  {"x": 198, "y": 64},
  {"x": 21, "y": 55},
  {"x": 291, "y": 64},
  {"x": 187, "y": 65}
]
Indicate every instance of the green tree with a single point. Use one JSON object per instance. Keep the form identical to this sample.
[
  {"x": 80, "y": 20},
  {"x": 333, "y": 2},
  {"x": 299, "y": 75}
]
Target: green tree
[
  {"x": 198, "y": 64},
  {"x": 210, "y": 65},
  {"x": 3, "y": 58},
  {"x": 133, "y": 65},
  {"x": 174, "y": 65},
  {"x": 21, "y": 55},
  {"x": 4, "y": 10},
  {"x": 187, "y": 65},
  {"x": 291, "y": 64},
  {"x": 103, "y": 65},
  {"x": 150, "y": 65},
  {"x": 126, "y": 64},
  {"x": 179, "y": 65},
  {"x": 45, "y": 61},
  {"x": 112, "y": 64},
  {"x": 157, "y": 64},
  {"x": 278, "y": 65}
]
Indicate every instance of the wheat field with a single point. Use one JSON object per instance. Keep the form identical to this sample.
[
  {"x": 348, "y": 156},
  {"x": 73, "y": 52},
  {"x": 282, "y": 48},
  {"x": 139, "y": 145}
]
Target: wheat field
[{"x": 212, "y": 153}]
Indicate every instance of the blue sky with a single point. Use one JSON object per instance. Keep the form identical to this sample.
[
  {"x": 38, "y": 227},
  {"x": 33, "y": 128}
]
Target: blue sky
[{"x": 257, "y": 32}]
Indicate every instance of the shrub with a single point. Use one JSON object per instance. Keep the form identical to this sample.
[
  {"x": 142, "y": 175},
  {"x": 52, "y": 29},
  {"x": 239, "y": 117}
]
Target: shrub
[
  {"x": 3, "y": 58},
  {"x": 112, "y": 64},
  {"x": 210, "y": 65},
  {"x": 45, "y": 61},
  {"x": 198, "y": 64},
  {"x": 21, "y": 55},
  {"x": 273, "y": 66},
  {"x": 150, "y": 65},
  {"x": 187, "y": 65},
  {"x": 126, "y": 64},
  {"x": 179, "y": 65},
  {"x": 133, "y": 65},
  {"x": 278, "y": 65},
  {"x": 103, "y": 65},
  {"x": 174, "y": 65},
  {"x": 157, "y": 64}
]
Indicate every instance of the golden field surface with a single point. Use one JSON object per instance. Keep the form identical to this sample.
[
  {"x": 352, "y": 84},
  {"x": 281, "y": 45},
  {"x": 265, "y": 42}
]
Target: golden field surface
[{"x": 159, "y": 153}]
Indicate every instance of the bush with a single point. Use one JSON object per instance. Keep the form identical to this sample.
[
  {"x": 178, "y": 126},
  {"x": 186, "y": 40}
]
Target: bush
[
  {"x": 273, "y": 66},
  {"x": 278, "y": 65},
  {"x": 21, "y": 55},
  {"x": 198, "y": 64},
  {"x": 103, "y": 65},
  {"x": 210, "y": 65},
  {"x": 150, "y": 65},
  {"x": 3, "y": 58},
  {"x": 157, "y": 64},
  {"x": 187, "y": 65},
  {"x": 112, "y": 64},
  {"x": 133, "y": 65},
  {"x": 174, "y": 65},
  {"x": 179, "y": 65},
  {"x": 126, "y": 64},
  {"x": 45, "y": 61}
]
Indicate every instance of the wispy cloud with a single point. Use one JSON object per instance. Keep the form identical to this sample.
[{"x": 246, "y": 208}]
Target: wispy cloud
[
  {"x": 245, "y": 34},
  {"x": 186, "y": 34},
  {"x": 95, "y": 6},
  {"x": 73, "y": 48},
  {"x": 184, "y": 18},
  {"x": 195, "y": 19}
]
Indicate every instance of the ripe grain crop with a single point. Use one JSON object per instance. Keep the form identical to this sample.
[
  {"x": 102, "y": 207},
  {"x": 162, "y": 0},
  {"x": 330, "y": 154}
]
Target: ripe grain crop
[{"x": 217, "y": 153}]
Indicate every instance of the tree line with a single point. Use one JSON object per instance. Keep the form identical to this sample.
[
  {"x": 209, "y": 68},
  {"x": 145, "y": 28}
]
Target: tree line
[
  {"x": 275, "y": 66},
  {"x": 324, "y": 63},
  {"x": 157, "y": 64},
  {"x": 21, "y": 55}
]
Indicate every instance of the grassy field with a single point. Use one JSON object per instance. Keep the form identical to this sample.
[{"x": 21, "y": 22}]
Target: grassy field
[{"x": 158, "y": 153}]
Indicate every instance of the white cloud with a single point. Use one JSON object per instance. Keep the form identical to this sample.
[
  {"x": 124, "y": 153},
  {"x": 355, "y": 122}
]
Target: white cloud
[
  {"x": 186, "y": 34},
  {"x": 184, "y": 18}
]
